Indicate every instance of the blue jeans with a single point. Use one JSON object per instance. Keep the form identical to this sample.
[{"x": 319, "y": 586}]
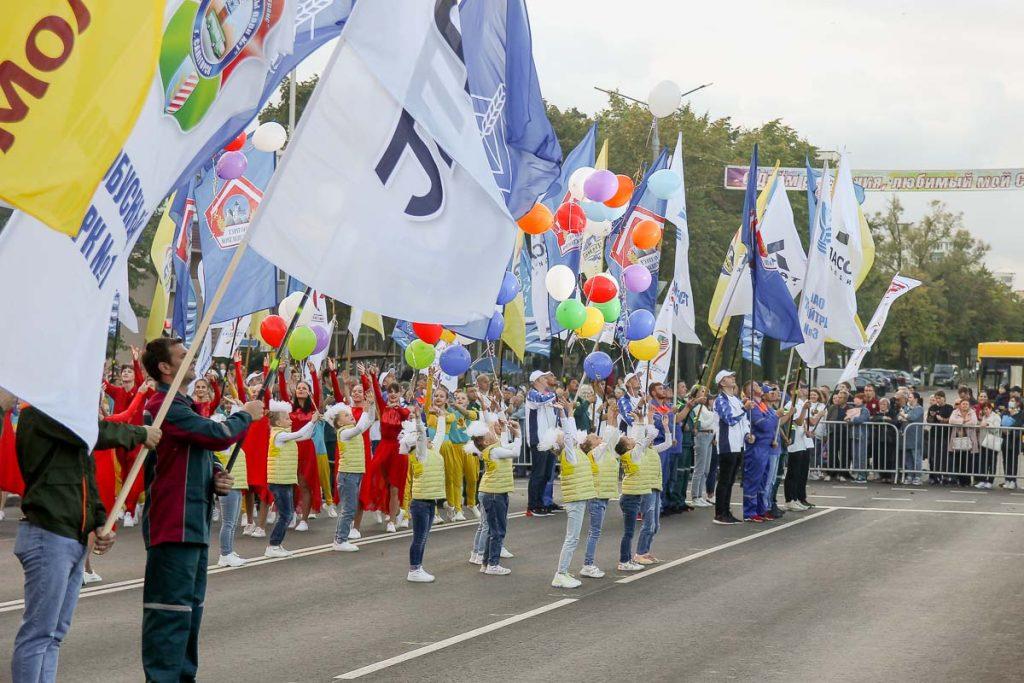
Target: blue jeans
[
  {"x": 348, "y": 493},
  {"x": 285, "y": 509},
  {"x": 630, "y": 506},
  {"x": 496, "y": 509},
  {"x": 480, "y": 537},
  {"x": 573, "y": 525},
  {"x": 230, "y": 506},
  {"x": 596, "y": 508},
  {"x": 422, "y": 513},
  {"x": 652, "y": 523},
  {"x": 701, "y": 463},
  {"x": 53, "y": 576},
  {"x": 669, "y": 474}
]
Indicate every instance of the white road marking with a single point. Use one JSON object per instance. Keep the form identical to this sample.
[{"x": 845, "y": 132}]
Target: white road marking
[
  {"x": 961, "y": 501},
  {"x": 1013, "y": 504},
  {"x": 1017, "y": 494},
  {"x": 884, "y": 498},
  {"x": 855, "y": 488},
  {"x": 969, "y": 493},
  {"x": 454, "y": 640},
  {"x": 992, "y": 513},
  {"x": 916, "y": 489},
  {"x": 704, "y": 553},
  {"x": 818, "y": 496}
]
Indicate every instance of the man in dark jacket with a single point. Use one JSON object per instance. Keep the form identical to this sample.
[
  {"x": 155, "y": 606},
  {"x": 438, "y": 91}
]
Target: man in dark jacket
[
  {"x": 182, "y": 477},
  {"x": 61, "y": 507}
]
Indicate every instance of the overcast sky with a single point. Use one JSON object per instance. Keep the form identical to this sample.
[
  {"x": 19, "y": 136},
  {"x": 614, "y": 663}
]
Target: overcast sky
[{"x": 901, "y": 84}]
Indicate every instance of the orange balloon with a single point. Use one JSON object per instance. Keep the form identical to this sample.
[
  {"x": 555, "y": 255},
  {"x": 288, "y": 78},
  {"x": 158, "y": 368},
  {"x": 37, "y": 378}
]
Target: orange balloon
[
  {"x": 646, "y": 235},
  {"x": 537, "y": 220},
  {"x": 622, "y": 194}
]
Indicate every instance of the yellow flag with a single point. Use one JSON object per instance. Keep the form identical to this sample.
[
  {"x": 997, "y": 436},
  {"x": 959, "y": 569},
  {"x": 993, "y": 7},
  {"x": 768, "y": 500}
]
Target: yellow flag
[
  {"x": 73, "y": 77},
  {"x": 161, "y": 255},
  {"x": 254, "y": 328},
  {"x": 514, "y": 334},
  {"x": 374, "y": 321},
  {"x": 602, "y": 157}
]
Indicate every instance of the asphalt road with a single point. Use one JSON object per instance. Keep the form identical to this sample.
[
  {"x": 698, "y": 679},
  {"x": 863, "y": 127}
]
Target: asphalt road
[{"x": 879, "y": 583}]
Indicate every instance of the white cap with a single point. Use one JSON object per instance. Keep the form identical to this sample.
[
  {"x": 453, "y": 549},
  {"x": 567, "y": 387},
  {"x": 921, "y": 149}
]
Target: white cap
[
  {"x": 629, "y": 376},
  {"x": 280, "y": 406},
  {"x": 722, "y": 374},
  {"x": 537, "y": 374}
]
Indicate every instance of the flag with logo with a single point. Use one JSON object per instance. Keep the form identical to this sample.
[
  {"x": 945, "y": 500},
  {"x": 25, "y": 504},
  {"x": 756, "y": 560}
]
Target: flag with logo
[
  {"x": 899, "y": 286},
  {"x": 186, "y": 303},
  {"x": 230, "y": 336},
  {"x": 524, "y": 271},
  {"x": 592, "y": 246},
  {"x": 161, "y": 253},
  {"x": 680, "y": 292},
  {"x": 659, "y": 365}
]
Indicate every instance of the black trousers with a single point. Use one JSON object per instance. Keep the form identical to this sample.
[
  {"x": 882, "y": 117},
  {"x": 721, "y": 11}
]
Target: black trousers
[
  {"x": 728, "y": 463},
  {"x": 799, "y": 466}
]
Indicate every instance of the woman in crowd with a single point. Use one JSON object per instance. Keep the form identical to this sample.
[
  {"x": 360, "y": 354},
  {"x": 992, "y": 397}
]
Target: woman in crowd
[
  {"x": 911, "y": 421},
  {"x": 283, "y": 467},
  {"x": 579, "y": 487},
  {"x": 651, "y": 507},
  {"x": 991, "y": 444},
  {"x": 963, "y": 442},
  {"x": 856, "y": 418},
  {"x": 806, "y": 413},
  {"x": 1012, "y": 421},
  {"x": 882, "y": 441},
  {"x": 306, "y": 404},
  {"x": 702, "y": 421},
  {"x": 389, "y": 468},
  {"x": 836, "y": 451}
]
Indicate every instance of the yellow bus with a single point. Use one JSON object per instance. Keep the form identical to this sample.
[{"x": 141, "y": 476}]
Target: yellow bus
[{"x": 999, "y": 363}]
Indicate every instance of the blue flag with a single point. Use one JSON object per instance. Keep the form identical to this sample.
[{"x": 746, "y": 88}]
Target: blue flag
[
  {"x": 186, "y": 305},
  {"x": 774, "y": 311},
  {"x": 224, "y": 209},
  {"x": 751, "y": 341},
  {"x": 521, "y": 146},
  {"x": 403, "y": 334},
  {"x": 534, "y": 344}
]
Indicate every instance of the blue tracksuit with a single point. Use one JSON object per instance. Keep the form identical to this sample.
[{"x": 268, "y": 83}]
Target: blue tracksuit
[{"x": 757, "y": 460}]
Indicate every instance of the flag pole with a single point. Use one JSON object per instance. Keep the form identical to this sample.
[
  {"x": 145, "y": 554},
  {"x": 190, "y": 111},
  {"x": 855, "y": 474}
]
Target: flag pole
[{"x": 792, "y": 399}]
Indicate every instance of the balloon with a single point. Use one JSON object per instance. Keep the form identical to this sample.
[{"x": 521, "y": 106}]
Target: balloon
[
  {"x": 577, "y": 180},
  {"x": 644, "y": 349},
  {"x": 646, "y": 235},
  {"x": 600, "y": 186},
  {"x": 323, "y": 338},
  {"x": 600, "y": 289},
  {"x": 617, "y": 212},
  {"x": 272, "y": 330},
  {"x": 509, "y": 289},
  {"x": 593, "y": 325},
  {"x": 419, "y": 354},
  {"x": 597, "y": 365},
  {"x": 623, "y": 192},
  {"x": 286, "y": 309},
  {"x": 428, "y": 332},
  {"x": 269, "y": 137},
  {"x": 537, "y": 220},
  {"x": 571, "y": 314},
  {"x": 560, "y": 282},
  {"x": 636, "y": 278},
  {"x": 610, "y": 310},
  {"x": 301, "y": 343},
  {"x": 571, "y": 217},
  {"x": 448, "y": 337},
  {"x": 231, "y": 165},
  {"x": 595, "y": 211},
  {"x": 640, "y": 325},
  {"x": 236, "y": 144},
  {"x": 455, "y": 360},
  {"x": 598, "y": 228},
  {"x": 664, "y": 99},
  {"x": 495, "y": 327},
  {"x": 664, "y": 183}
]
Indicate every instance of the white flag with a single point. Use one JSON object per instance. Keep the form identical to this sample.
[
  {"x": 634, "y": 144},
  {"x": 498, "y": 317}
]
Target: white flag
[
  {"x": 680, "y": 292},
  {"x": 232, "y": 333},
  {"x": 782, "y": 241},
  {"x": 355, "y": 324},
  {"x": 385, "y": 189},
  {"x": 663, "y": 333},
  {"x": 899, "y": 286}
]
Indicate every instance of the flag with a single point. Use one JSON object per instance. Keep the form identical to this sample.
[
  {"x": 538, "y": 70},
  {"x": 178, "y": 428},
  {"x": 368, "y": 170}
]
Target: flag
[
  {"x": 899, "y": 286},
  {"x": 751, "y": 340},
  {"x": 659, "y": 365},
  {"x": 225, "y": 209},
  {"x": 317, "y": 301},
  {"x": 114, "y": 317},
  {"x": 358, "y": 318},
  {"x": 592, "y": 244},
  {"x": 524, "y": 271},
  {"x": 514, "y": 332},
  {"x": 401, "y": 181},
  {"x": 620, "y": 250},
  {"x": 680, "y": 292},
  {"x": 232, "y": 334},
  {"x": 74, "y": 77},
  {"x": 186, "y": 304},
  {"x": 403, "y": 333},
  {"x": 162, "y": 255},
  {"x": 601, "y": 163}
]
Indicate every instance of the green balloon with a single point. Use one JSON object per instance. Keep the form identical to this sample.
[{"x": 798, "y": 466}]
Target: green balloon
[
  {"x": 571, "y": 314},
  {"x": 610, "y": 309},
  {"x": 302, "y": 343},
  {"x": 419, "y": 354}
]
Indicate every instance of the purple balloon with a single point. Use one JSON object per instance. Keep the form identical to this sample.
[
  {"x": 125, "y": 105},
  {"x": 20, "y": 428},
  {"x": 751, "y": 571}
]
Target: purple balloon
[
  {"x": 509, "y": 289},
  {"x": 636, "y": 278},
  {"x": 495, "y": 327},
  {"x": 322, "y": 338},
  {"x": 600, "y": 186},
  {"x": 231, "y": 165}
]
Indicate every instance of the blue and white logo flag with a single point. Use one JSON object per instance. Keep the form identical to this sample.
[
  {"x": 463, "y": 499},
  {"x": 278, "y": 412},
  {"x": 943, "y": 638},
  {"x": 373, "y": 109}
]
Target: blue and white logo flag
[
  {"x": 534, "y": 344},
  {"x": 680, "y": 292},
  {"x": 403, "y": 333},
  {"x": 186, "y": 303},
  {"x": 751, "y": 340},
  {"x": 114, "y": 316}
]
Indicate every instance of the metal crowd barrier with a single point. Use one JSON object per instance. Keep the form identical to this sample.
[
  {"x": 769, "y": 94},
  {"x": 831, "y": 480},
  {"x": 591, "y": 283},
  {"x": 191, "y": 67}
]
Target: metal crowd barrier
[
  {"x": 847, "y": 450},
  {"x": 964, "y": 456}
]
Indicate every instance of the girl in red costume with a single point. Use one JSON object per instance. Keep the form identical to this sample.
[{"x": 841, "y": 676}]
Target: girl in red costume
[
  {"x": 123, "y": 396},
  {"x": 255, "y": 446},
  {"x": 389, "y": 468},
  {"x": 207, "y": 396},
  {"x": 304, "y": 407}
]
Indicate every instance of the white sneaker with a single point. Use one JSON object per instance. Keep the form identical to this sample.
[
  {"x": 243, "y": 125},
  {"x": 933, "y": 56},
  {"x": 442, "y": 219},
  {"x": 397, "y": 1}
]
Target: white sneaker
[
  {"x": 244, "y": 521},
  {"x": 345, "y": 547},
  {"x": 438, "y": 519},
  {"x": 232, "y": 560},
  {"x": 293, "y": 521},
  {"x": 506, "y": 553},
  {"x": 497, "y": 570},
  {"x": 980, "y": 485},
  {"x": 840, "y": 478},
  {"x": 216, "y": 513},
  {"x": 91, "y": 577},
  {"x": 247, "y": 531},
  {"x": 1010, "y": 484},
  {"x": 476, "y": 558},
  {"x": 701, "y": 503},
  {"x": 277, "y": 551},
  {"x": 129, "y": 521},
  {"x": 629, "y": 567},
  {"x": 403, "y": 520},
  {"x": 353, "y": 534},
  {"x": 302, "y": 526},
  {"x": 591, "y": 571},
  {"x": 475, "y": 509},
  {"x": 332, "y": 511},
  {"x": 2, "y": 515},
  {"x": 312, "y": 515},
  {"x": 419, "y": 576},
  {"x": 826, "y": 477},
  {"x": 565, "y": 581},
  {"x": 380, "y": 517},
  {"x": 988, "y": 486},
  {"x": 459, "y": 517},
  {"x": 271, "y": 517},
  {"x": 391, "y": 528},
  {"x": 258, "y": 532}
]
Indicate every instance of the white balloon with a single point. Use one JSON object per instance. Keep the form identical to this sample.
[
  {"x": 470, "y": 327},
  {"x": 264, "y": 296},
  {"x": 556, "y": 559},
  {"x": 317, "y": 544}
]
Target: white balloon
[
  {"x": 664, "y": 98},
  {"x": 560, "y": 282},
  {"x": 269, "y": 137},
  {"x": 286, "y": 309},
  {"x": 576, "y": 180},
  {"x": 617, "y": 212},
  {"x": 598, "y": 228}
]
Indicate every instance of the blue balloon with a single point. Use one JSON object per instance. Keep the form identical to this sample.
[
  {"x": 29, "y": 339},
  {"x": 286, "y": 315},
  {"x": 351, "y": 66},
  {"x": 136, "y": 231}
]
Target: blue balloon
[
  {"x": 455, "y": 360},
  {"x": 509, "y": 289},
  {"x": 640, "y": 325},
  {"x": 495, "y": 327},
  {"x": 664, "y": 183},
  {"x": 597, "y": 365},
  {"x": 595, "y": 211}
]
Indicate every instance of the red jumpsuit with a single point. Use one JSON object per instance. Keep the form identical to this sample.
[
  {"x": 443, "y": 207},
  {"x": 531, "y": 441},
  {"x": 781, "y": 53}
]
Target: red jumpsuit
[
  {"x": 388, "y": 467},
  {"x": 308, "y": 470},
  {"x": 106, "y": 464}
]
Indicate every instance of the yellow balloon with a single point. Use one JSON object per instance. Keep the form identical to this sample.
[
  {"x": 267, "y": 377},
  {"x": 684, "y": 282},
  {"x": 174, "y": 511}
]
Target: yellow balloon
[
  {"x": 644, "y": 349},
  {"x": 447, "y": 336},
  {"x": 593, "y": 324}
]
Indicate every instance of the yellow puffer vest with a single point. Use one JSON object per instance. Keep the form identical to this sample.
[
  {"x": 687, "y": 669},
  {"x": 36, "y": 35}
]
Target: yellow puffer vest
[
  {"x": 651, "y": 467},
  {"x": 497, "y": 474},
  {"x": 238, "y": 471},
  {"x": 635, "y": 482},
  {"x": 351, "y": 454},
  {"x": 282, "y": 461},
  {"x": 577, "y": 480},
  {"x": 427, "y": 476},
  {"x": 607, "y": 479}
]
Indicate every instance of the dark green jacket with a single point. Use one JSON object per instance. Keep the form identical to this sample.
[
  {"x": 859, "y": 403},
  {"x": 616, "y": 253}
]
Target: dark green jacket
[{"x": 60, "y": 479}]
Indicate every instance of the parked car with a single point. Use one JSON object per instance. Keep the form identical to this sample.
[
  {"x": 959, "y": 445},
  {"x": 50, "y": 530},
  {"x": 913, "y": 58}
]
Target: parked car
[
  {"x": 945, "y": 375},
  {"x": 908, "y": 380}
]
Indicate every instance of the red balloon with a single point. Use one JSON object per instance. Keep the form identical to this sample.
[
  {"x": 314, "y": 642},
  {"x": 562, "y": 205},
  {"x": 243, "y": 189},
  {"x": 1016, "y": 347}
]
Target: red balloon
[
  {"x": 428, "y": 332},
  {"x": 272, "y": 330},
  {"x": 236, "y": 144},
  {"x": 600, "y": 289},
  {"x": 571, "y": 217}
]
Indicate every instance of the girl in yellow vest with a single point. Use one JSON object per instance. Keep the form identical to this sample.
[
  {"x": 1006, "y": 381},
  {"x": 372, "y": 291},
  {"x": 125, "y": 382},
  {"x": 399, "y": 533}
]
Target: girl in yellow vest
[
  {"x": 351, "y": 467},
  {"x": 636, "y": 485},
  {"x": 496, "y": 456},
  {"x": 427, "y": 468},
  {"x": 231, "y": 503},
  {"x": 282, "y": 467},
  {"x": 651, "y": 506},
  {"x": 606, "y": 482},
  {"x": 457, "y": 417}
]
